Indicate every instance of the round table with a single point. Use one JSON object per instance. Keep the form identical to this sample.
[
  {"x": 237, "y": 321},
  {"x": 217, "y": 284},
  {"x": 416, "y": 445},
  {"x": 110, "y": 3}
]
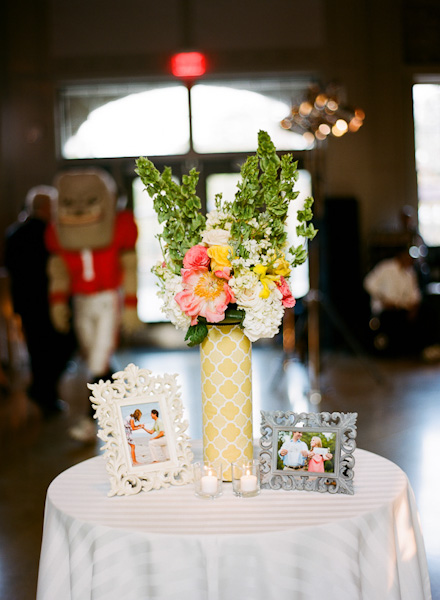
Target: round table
[{"x": 169, "y": 544}]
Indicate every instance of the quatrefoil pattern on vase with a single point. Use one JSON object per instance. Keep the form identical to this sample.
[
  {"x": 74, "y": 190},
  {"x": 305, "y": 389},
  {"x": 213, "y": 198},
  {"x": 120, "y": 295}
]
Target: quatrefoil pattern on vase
[{"x": 226, "y": 369}]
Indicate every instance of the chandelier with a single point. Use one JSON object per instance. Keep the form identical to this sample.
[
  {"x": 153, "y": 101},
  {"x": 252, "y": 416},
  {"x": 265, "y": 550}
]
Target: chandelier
[{"x": 322, "y": 113}]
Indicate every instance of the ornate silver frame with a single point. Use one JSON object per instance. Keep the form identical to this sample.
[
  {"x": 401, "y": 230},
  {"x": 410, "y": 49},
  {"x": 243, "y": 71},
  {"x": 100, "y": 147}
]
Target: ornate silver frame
[
  {"x": 137, "y": 387},
  {"x": 343, "y": 425}
]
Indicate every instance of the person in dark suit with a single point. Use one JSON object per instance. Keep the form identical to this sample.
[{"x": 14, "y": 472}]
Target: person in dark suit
[{"x": 26, "y": 259}]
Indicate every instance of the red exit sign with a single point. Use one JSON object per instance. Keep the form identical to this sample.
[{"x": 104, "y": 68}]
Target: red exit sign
[{"x": 188, "y": 64}]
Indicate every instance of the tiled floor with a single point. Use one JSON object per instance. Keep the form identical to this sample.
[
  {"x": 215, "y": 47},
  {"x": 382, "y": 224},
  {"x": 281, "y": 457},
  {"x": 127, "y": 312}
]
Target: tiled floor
[{"x": 398, "y": 418}]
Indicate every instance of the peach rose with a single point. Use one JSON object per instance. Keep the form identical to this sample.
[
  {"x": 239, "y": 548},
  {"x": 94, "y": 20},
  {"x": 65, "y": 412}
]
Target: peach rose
[{"x": 195, "y": 257}]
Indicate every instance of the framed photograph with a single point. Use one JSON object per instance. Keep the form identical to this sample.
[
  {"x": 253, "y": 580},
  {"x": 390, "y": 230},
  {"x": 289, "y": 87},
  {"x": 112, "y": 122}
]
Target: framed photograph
[
  {"x": 308, "y": 451},
  {"x": 140, "y": 418}
]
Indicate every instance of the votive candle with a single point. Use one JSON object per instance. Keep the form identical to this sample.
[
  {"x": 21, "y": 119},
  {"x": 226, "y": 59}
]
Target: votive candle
[
  {"x": 208, "y": 483},
  {"x": 248, "y": 482}
]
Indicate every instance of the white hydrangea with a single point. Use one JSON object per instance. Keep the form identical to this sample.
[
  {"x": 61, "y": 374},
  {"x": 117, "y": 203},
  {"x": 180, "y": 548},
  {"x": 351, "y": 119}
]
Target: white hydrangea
[
  {"x": 263, "y": 316},
  {"x": 245, "y": 284},
  {"x": 170, "y": 285},
  {"x": 264, "y": 321}
]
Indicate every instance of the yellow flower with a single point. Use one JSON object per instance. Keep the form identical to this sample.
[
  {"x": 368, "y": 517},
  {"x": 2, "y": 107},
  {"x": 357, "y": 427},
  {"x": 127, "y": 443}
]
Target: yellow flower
[
  {"x": 260, "y": 270},
  {"x": 282, "y": 267},
  {"x": 219, "y": 257},
  {"x": 265, "y": 279}
]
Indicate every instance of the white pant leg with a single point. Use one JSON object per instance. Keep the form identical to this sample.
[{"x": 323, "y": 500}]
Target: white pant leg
[
  {"x": 83, "y": 322},
  {"x": 159, "y": 449},
  {"x": 96, "y": 324}
]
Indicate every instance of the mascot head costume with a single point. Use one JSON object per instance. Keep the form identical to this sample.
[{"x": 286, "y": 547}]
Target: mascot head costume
[{"x": 86, "y": 207}]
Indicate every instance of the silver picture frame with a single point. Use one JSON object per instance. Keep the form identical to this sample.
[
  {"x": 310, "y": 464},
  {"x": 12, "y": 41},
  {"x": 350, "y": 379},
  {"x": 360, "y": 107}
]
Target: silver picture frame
[
  {"x": 132, "y": 463},
  {"x": 290, "y": 460}
]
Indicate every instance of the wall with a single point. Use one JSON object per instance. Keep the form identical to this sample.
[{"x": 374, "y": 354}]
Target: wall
[{"x": 358, "y": 43}]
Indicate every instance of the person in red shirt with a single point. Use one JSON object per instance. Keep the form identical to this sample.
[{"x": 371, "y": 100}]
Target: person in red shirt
[{"x": 92, "y": 270}]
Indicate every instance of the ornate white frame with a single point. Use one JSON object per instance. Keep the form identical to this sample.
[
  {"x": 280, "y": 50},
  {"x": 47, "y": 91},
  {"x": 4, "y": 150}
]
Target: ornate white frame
[
  {"x": 138, "y": 386},
  {"x": 342, "y": 424}
]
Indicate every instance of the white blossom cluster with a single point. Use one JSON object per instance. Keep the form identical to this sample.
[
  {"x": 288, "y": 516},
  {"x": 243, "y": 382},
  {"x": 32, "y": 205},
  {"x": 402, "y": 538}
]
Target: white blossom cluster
[
  {"x": 170, "y": 285},
  {"x": 259, "y": 253},
  {"x": 217, "y": 219},
  {"x": 263, "y": 316}
]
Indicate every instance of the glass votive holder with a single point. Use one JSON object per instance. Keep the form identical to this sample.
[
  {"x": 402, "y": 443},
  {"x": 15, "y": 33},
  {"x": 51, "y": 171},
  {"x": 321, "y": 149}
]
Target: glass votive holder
[
  {"x": 246, "y": 478},
  {"x": 208, "y": 479}
]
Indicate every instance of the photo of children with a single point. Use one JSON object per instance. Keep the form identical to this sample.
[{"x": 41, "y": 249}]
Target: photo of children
[
  {"x": 306, "y": 451},
  {"x": 145, "y": 433}
]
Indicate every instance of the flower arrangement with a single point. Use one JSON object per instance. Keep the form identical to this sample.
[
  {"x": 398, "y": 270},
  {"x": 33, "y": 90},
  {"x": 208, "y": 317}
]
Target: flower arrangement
[{"x": 232, "y": 265}]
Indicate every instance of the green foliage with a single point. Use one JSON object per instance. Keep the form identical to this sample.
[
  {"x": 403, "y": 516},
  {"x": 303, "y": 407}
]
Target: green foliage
[
  {"x": 264, "y": 194},
  {"x": 234, "y": 315},
  {"x": 178, "y": 208},
  {"x": 196, "y": 334}
]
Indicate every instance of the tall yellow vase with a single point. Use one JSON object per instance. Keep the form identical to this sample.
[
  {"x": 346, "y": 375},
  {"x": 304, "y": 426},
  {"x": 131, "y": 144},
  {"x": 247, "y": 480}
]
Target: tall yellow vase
[{"x": 226, "y": 367}]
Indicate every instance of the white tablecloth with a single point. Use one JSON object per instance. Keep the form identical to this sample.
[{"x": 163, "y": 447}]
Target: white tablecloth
[{"x": 171, "y": 545}]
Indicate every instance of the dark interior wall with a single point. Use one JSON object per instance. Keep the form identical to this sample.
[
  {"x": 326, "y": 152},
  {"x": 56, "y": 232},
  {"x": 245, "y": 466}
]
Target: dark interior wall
[
  {"x": 150, "y": 27},
  {"x": 361, "y": 44},
  {"x": 27, "y": 147}
]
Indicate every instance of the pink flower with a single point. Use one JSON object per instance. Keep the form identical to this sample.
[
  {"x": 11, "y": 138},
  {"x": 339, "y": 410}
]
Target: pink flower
[
  {"x": 224, "y": 273},
  {"x": 195, "y": 257},
  {"x": 204, "y": 295},
  {"x": 288, "y": 300}
]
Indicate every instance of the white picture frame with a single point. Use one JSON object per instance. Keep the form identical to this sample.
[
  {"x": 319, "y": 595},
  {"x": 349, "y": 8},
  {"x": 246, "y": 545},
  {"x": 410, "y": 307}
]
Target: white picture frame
[
  {"x": 162, "y": 450},
  {"x": 287, "y": 465}
]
